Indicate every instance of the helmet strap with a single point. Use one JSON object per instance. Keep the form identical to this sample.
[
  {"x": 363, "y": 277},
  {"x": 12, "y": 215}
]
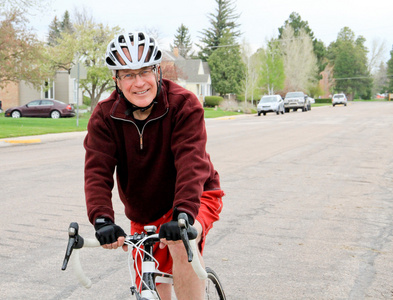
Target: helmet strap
[
  {"x": 131, "y": 107},
  {"x": 159, "y": 83}
]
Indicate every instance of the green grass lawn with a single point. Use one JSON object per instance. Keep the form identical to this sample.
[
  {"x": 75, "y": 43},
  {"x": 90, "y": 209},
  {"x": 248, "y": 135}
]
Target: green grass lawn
[
  {"x": 210, "y": 112},
  {"x": 10, "y": 127}
]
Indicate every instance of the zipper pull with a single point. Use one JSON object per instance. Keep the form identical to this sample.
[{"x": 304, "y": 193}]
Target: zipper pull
[{"x": 141, "y": 141}]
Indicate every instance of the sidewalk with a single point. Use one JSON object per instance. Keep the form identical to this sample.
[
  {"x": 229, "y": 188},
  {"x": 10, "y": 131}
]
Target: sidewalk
[{"x": 36, "y": 139}]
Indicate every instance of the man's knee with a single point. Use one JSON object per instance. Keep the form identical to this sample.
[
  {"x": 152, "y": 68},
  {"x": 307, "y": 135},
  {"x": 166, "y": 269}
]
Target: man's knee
[{"x": 178, "y": 253}]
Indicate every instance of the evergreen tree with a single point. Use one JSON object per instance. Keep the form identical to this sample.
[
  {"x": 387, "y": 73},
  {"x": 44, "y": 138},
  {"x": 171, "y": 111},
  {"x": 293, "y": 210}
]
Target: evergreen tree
[
  {"x": 54, "y": 32},
  {"x": 66, "y": 25},
  {"x": 56, "y": 28},
  {"x": 349, "y": 59},
  {"x": 222, "y": 23},
  {"x": 182, "y": 41},
  {"x": 226, "y": 66}
]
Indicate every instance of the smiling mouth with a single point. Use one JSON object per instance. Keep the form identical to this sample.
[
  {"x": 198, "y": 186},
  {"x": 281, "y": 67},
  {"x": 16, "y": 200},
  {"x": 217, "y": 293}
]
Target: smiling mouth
[{"x": 141, "y": 92}]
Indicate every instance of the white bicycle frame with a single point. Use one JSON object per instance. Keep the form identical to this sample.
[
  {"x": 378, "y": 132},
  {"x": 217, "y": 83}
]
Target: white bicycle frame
[{"x": 147, "y": 266}]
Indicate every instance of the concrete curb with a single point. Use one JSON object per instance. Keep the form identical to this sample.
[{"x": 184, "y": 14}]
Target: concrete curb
[{"x": 30, "y": 141}]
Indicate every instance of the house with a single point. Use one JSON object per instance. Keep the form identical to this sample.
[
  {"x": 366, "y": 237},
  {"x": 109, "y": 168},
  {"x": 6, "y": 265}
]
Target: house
[
  {"x": 63, "y": 88},
  {"x": 192, "y": 74}
]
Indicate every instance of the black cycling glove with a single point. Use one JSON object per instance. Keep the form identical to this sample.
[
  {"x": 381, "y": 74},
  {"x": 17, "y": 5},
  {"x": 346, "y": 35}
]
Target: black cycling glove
[
  {"x": 171, "y": 231},
  {"x": 106, "y": 231}
]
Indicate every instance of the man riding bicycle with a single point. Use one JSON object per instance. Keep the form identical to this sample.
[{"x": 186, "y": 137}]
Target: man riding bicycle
[{"x": 152, "y": 132}]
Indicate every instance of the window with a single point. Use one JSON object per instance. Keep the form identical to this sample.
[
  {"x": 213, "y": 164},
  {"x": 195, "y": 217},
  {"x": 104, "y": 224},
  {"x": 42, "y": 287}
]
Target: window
[
  {"x": 34, "y": 103},
  {"x": 46, "y": 103},
  {"x": 48, "y": 92}
]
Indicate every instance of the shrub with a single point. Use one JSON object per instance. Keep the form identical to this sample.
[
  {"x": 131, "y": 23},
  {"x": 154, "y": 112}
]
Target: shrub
[
  {"x": 212, "y": 101},
  {"x": 235, "y": 106},
  {"x": 230, "y": 105},
  {"x": 323, "y": 100},
  {"x": 86, "y": 100}
]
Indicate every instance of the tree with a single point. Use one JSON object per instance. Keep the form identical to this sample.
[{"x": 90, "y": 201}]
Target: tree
[
  {"x": 380, "y": 79},
  {"x": 182, "y": 41},
  {"x": 349, "y": 59},
  {"x": 87, "y": 44},
  {"x": 252, "y": 65},
  {"x": 57, "y": 27},
  {"x": 300, "y": 63},
  {"x": 226, "y": 67},
  {"x": 390, "y": 73},
  {"x": 66, "y": 25},
  {"x": 93, "y": 40},
  {"x": 22, "y": 56},
  {"x": 377, "y": 52},
  {"x": 271, "y": 75},
  {"x": 298, "y": 25},
  {"x": 222, "y": 23},
  {"x": 23, "y": 6},
  {"x": 54, "y": 32}
]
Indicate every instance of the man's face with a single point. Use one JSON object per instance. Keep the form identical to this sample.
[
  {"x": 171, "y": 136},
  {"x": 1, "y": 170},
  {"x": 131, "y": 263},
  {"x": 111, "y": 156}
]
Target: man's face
[{"x": 142, "y": 89}]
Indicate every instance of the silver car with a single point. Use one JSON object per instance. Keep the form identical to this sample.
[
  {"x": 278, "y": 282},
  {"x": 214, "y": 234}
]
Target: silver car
[
  {"x": 271, "y": 103},
  {"x": 296, "y": 100},
  {"x": 339, "y": 99}
]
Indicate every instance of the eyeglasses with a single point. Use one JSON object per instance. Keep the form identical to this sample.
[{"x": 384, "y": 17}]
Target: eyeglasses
[{"x": 130, "y": 77}]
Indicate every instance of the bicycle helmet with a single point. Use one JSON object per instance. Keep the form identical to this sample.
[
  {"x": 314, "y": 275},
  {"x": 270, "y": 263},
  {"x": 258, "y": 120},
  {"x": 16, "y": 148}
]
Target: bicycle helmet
[{"x": 151, "y": 55}]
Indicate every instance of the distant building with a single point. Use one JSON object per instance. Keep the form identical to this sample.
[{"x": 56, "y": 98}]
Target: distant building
[
  {"x": 63, "y": 88},
  {"x": 192, "y": 74}
]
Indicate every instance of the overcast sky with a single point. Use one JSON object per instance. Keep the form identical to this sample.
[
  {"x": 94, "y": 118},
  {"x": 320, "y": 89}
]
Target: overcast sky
[{"x": 259, "y": 20}]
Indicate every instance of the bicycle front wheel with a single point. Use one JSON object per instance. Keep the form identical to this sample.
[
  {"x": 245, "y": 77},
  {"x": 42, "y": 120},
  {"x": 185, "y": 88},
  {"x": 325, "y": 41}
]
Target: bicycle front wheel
[{"x": 214, "y": 288}]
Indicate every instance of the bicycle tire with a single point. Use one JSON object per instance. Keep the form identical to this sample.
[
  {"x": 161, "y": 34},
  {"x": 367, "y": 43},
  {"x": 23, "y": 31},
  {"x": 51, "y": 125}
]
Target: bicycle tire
[{"x": 214, "y": 289}]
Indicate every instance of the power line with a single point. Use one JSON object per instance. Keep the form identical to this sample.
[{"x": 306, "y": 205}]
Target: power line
[{"x": 360, "y": 77}]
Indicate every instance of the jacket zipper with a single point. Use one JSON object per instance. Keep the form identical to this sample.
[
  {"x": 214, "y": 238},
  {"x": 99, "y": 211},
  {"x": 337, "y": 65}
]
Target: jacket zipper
[{"x": 143, "y": 128}]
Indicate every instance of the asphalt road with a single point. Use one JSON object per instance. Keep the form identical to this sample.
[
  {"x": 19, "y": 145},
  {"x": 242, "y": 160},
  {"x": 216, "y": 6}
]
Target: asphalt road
[{"x": 308, "y": 210}]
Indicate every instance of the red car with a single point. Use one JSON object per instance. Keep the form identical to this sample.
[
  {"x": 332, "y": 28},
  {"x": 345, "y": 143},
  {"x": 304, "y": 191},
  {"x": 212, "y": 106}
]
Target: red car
[{"x": 42, "y": 108}]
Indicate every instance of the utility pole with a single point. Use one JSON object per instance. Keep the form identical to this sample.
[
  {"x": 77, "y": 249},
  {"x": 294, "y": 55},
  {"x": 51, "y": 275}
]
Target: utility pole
[{"x": 78, "y": 72}]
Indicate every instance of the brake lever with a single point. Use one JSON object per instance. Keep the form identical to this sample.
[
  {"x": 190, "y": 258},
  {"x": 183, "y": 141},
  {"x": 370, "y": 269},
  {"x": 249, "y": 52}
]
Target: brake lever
[
  {"x": 183, "y": 224},
  {"x": 75, "y": 241},
  {"x": 186, "y": 242}
]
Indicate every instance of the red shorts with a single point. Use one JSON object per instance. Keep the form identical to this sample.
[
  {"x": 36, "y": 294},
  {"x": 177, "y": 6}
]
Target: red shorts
[{"x": 211, "y": 206}]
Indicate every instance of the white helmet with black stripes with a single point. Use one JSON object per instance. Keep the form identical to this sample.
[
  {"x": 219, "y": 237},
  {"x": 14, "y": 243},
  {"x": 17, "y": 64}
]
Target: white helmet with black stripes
[{"x": 116, "y": 58}]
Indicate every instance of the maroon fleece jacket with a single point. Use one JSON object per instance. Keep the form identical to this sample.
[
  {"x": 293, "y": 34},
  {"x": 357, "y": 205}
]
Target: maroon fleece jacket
[{"x": 165, "y": 165}]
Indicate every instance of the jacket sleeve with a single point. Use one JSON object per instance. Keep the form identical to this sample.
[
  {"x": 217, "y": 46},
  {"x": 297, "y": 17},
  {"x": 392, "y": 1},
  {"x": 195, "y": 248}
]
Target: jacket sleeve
[
  {"x": 192, "y": 163},
  {"x": 100, "y": 163}
]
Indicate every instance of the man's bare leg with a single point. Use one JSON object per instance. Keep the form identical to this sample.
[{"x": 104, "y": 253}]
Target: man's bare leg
[
  {"x": 165, "y": 291},
  {"x": 186, "y": 282}
]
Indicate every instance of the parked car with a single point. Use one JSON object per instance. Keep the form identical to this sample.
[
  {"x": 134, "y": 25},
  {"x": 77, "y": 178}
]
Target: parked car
[
  {"x": 339, "y": 99},
  {"x": 296, "y": 100},
  {"x": 271, "y": 103},
  {"x": 42, "y": 108}
]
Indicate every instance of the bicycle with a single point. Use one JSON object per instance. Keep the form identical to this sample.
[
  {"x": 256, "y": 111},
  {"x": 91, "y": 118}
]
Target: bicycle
[{"x": 150, "y": 275}]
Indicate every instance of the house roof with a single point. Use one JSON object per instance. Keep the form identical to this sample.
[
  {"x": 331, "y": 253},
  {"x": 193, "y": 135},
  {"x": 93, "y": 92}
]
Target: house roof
[{"x": 193, "y": 70}]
